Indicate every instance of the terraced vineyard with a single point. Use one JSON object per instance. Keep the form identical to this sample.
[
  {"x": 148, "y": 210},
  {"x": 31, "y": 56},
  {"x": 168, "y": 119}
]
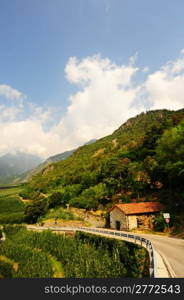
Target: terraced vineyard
[
  {"x": 46, "y": 254},
  {"x": 11, "y": 207}
]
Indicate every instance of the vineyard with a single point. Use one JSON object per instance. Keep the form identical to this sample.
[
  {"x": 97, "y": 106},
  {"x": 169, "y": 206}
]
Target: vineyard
[
  {"x": 46, "y": 254},
  {"x": 11, "y": 208}
]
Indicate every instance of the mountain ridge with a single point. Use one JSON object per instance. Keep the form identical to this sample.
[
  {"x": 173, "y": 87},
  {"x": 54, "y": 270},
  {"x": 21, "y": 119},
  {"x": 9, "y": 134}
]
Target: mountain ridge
[
  {"x": 129, "y": 163},
  {"x": 14, "y": 164}
]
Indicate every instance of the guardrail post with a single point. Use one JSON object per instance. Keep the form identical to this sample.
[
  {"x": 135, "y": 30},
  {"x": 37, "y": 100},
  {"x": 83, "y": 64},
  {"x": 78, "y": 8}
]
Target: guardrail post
[
  {"x": 3, "y": 238},
  {"x": 147, "y": 244}
]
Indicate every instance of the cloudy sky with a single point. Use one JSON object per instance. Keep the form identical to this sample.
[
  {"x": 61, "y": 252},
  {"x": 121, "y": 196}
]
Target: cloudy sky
[{"x": 71, "y": 71}]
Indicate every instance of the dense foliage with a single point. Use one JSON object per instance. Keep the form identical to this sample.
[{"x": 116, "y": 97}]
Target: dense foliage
[
  {"x": 135, "y": 162},
  {"x": 35, "y": 210},
  {"x": 82, "y": 256}
]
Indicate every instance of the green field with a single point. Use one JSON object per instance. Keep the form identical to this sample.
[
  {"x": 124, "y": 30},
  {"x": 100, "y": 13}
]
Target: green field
[
  {"x": 32, "y": 254},
  {"x": 11, "y": 207}
]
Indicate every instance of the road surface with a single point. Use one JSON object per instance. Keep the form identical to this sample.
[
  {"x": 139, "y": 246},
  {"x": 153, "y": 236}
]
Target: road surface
[{"x": 171, "y": 249}]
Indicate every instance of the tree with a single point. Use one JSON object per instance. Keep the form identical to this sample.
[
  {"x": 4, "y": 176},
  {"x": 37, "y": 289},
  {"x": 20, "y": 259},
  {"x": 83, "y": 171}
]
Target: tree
[
  {"x": 35, "y": 210},
  {"x": 170, "y": 154},
  {"x": 56, "y": 199},
  {"x": 170, "y": 169}
]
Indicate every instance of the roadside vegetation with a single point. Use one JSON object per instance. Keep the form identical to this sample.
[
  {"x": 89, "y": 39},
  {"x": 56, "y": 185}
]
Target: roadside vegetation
[{"x": 33, "y": 254}]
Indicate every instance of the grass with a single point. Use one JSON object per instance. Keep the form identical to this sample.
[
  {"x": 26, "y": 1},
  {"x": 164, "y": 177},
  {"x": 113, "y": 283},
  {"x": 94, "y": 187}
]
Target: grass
[
  {"x": 11, "y": 207},
  {"x": 60, "y": 213},
  {"x": 57, "y": 268}
]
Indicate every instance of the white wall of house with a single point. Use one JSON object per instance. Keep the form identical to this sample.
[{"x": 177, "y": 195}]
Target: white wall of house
[{"x": 132, "y": 222}]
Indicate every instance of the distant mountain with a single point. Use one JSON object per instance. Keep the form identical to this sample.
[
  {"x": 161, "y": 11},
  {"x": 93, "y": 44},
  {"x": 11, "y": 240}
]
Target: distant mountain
[
  {"x": 15, "y": 164},
  {"x": 58, "y": 157},
  {"x": 140, "y": 161},
  {"x": 52, "y": 159}
]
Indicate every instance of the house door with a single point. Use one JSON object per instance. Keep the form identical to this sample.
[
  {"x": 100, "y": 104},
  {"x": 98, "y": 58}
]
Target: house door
[{"x": 118, "y": 224}]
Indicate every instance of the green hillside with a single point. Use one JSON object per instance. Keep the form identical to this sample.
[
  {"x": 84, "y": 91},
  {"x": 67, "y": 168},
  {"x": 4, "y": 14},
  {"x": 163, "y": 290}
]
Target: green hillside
[
  {"x": 140, "y": 161},
  {"x": 52, "y": 159},
  {"x": 11, "y": 207}
]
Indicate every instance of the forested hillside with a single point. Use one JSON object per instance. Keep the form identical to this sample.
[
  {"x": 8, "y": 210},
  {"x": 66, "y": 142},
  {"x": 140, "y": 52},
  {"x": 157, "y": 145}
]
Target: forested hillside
[{"x": 143, "y": 160}]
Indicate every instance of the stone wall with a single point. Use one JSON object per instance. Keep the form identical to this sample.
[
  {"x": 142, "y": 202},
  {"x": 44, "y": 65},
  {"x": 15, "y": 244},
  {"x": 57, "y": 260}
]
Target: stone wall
[
  {"x": 142, "y": 221},
  {"x": 145, "y": 221},
  {"x": 117, "y": 215}
]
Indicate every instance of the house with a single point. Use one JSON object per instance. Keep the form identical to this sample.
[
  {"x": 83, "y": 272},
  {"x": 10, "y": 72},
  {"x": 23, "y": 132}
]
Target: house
[{"x": 134, "y": 215}]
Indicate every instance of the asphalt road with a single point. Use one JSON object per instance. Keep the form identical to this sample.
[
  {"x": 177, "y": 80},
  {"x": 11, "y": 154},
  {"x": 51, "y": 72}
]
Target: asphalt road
[{"x": 170, "y": 248}]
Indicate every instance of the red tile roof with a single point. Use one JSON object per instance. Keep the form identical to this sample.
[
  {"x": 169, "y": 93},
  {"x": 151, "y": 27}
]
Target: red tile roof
[{"x": 138, "y": 208}]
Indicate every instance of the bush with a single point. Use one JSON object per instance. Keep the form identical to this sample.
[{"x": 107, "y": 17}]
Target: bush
[
  {"x": 71, "y": 191},
  {"x": 86, "y": 203},
  {"x": 159, "y": 223},
  {"x": 6, "y": 270},
  {"x": 56, "y": 199},
  {"x": 91, "y": 197},
  {"x": 35, "y": 210}
]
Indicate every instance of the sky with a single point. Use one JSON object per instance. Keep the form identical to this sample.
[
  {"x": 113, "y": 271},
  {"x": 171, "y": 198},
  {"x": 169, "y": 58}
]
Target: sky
[{"x": 75, "y": 70}]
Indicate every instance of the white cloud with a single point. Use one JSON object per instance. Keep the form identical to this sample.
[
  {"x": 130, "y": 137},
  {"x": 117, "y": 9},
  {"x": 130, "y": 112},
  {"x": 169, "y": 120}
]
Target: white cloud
[
  {"x": 145, "y": 70},
  {"x": 103, "y": 103},
  {"x": 133, "y": 59},
  {"x": 9, "y": 113},
  {"x": 10, "y": 93},
  {"x": 28, "y": 136},
  {"x": 107, "y": 96},
  {"x": 165, "y": 87}
]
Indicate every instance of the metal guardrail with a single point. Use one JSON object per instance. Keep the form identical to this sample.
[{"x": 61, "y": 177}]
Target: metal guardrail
[
  {"x": 3, "y": 238},
  {"x": 143, "y": 242},
  {"x": 130, "y": 237}
]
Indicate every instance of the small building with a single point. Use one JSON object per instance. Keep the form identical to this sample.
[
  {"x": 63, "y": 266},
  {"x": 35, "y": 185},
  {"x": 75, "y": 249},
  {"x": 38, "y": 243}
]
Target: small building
[{"x": 134, "y": 215}]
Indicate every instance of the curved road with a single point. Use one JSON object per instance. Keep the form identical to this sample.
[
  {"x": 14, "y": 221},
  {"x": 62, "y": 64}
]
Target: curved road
[{"x": 172, "y": 249}]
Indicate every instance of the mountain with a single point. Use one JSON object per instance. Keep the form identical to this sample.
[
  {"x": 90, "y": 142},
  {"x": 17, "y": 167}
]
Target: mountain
[
  {"x": 52, "y": 159},
  {"x": 58, "y": 157},
  {"x": 141, "y": 161},
  {"x": 17, "y": 163}
]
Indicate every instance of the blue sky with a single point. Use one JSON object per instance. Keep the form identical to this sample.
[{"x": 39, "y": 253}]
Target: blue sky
[{"x": 39, "y": 37}]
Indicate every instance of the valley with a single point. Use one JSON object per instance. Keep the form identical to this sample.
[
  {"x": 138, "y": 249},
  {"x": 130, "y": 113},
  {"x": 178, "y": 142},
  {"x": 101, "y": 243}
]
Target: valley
[{"x": 134, "y": 164}]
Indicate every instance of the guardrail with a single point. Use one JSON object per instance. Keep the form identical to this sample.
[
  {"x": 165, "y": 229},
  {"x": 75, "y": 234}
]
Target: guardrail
[
  {"x": 3, "y": 238},
  {"x": 134, "y": 238},
  {"x": 130, "y": 237}
]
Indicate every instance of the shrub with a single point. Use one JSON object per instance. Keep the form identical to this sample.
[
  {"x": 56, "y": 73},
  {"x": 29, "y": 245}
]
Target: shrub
[
  {"x": 6, "y": 270},
  {"x": 35, "y": 210},
  {"x": 159, "y": 223},
  {"x": 56, "y": 199},
  {"x": 86, "y": 203},
  {"x": 91, "y": 197}
]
